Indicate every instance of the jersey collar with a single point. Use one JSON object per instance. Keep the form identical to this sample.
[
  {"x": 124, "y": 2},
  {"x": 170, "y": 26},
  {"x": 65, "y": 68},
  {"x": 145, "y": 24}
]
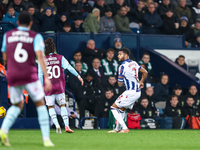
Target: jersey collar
[
  {"x": 23, "y": 28},
  {"x": 127, "y": 60}
]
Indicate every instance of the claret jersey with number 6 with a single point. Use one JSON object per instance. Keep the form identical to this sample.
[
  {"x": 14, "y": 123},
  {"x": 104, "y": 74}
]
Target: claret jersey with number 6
[
  {"x": 20, "y": 44},
  {"x": 128, "y": 70}
]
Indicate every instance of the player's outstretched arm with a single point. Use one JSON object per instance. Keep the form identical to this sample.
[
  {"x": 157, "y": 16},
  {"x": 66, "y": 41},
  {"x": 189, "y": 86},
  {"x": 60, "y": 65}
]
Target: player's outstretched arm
[
  {"x": 41, "y": 60},
  {"x": 144, "y": 76}
]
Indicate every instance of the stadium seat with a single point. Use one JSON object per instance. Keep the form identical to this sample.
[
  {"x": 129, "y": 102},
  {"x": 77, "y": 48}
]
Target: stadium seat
[
  {"x": 84, "y": 118},
  {"x": 193, "y": 66}
]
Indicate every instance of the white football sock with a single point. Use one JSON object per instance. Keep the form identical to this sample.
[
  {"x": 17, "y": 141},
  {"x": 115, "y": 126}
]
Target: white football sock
[{"x": 118, "y": 117}]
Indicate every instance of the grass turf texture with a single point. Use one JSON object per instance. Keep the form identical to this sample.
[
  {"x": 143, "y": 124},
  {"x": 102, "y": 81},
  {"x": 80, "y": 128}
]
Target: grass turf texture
[{"x": 100, "y": 140}]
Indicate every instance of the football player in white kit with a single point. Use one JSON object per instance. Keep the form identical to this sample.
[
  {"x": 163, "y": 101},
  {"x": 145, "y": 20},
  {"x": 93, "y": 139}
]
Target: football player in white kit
[{"x": 128, "y": 76}]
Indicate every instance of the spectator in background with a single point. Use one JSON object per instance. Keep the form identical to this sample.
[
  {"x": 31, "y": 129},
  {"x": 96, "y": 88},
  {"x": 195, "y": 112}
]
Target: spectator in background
[
  {"x": 76, "y": 26},
  {"x": 151, "y": 1},
  {"x": 174, "y": 111},
  {"x": 152, "y": 22},
  {"x": 117, "y": 6},
  {"x": 100, "y": 4},
  {"x": 170, "y": 23},
  {"x": 193, "y": 92},
  {"x": 118, "y": 45},
  {"x": 49, "y": 3},
  {"x": 196, "y": 43},
  {"x": 109, "y": 64},
  {"x": 48, "y": 20},
  {"x": 183, "y": 10},
  {"x": 184, "y": 28},
  {"x": 96, "y": 71},
  {"x": 196, "y": 28},
  {"x": 61, "y": 6},
  {"x": 90, "y": 52},
  {"x": 146, "y": 64},
  {"x": 107, "y": 24},
  {"x": 121, "y": 21},
  {"x": 78, "y": 58},
  {"x": 3, "y": 9},
  {"x": 36, "y": 24},
  {"x": 66, "y": 28},
  {"x": 27, "y": 3},
  {"x": 144, "y": 109},
  {"x": 175, "y": 3},
  {"x": 73, "y": 84},
  {"x": 18, "y": 6},
  {"x": 181, "y": 61},
  {"x": 11, "y": 16},
  {"x": 135, "y": 15},
  {"x": 190, "y": 108},
  {"x": 178, "y": 92},
  {"x": 105, "y": 103},
  {"x": 161, "y": 92},
  {"x": 86, "y": 8},
  {"x": 74, "y": 8},
  {"x": 90, "y": 94},
  {"x": 61, "y": 22},
  {"x": 112, "y": 84},
  {"x": 91, "y": 22},
  {"x": 163, "y": 7},
  {"x": 196, "y": 11}
]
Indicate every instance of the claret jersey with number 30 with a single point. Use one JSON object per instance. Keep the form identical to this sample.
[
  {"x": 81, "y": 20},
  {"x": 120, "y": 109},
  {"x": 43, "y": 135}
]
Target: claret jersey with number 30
[
  {"x": 128, "y": 70},
  {"x": 20, "y": 45}
]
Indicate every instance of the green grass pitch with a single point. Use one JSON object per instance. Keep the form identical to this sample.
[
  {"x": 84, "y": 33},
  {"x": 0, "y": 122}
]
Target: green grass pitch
[{"x": 100, "y": 140}]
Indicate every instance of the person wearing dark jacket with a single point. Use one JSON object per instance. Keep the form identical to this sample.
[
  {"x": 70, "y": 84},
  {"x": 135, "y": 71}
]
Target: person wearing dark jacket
[
  {"x": 185, "y": 29},
  {"x": 196, "y": 43},
  {"x": 86, "y": 7},
  {"x": 73, "y": 84},
  {"x": 76, "y": 26},
  {"x": 174, "y": 111},
  {"x": 105, "y": 103},
  {"x": 74, "y": 9},
  {"x": 161, "y": 91},
  {"x": 152, "y": 21},
  {"x": 117, "y": 6},
  {"x": 36, "y": 24},
  {"x": 163, "y": 7},
  {"x": 61, "y": 6},
  {"x": 169, "y": 23},
  {"x": 90, "y": 52},
  {"x": 18, "y": 6},
  {"x": 90, "y": 95},
  {"x": 193, "y": 92},
  {"x": 181, "y": 61},
  {"x": 100, "y": 4},
  {"x": 62, "y": 21}
]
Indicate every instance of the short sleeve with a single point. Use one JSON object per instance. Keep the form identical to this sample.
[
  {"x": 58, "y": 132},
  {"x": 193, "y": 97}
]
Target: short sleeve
[
  {"x": 3, "y": 49},
  {"x": 38, "y": 43}
]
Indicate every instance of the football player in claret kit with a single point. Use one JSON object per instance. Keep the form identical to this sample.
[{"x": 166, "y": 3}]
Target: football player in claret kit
[
  {"x": 128, "y": 76},
  {"x": 55, "y": 65},
  {"x": 20, "y": 47}
]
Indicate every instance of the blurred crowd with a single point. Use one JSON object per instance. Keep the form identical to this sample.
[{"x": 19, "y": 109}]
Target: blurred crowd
[{"x": 175, "y": 17}]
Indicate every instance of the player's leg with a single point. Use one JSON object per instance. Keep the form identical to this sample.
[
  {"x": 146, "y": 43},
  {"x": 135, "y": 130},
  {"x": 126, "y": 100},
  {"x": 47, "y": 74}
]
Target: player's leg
[
  {"x": 50, "y": 102},
  {"x": 118, "y": 126},
  {"x": 12, "y": 113},
  {"x": 36, "y": 92},
  {"x": 60, "y": 98}
]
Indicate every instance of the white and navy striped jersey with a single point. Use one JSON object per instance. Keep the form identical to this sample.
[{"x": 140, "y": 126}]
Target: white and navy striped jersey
[{"x": 129, "y": 71}]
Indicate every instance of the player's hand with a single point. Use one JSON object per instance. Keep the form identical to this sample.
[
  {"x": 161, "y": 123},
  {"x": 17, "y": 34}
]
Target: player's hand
[
  {"x": 48, "y": 85},
  {"x": 81, "y": 80},
  {"x": 141, "y": 85}
]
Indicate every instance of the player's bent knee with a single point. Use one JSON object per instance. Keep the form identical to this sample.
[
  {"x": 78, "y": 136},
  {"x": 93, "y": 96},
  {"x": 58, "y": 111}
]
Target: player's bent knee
[
  {"x": 63, "y": 105},
  {"x": 49, "y": 107},
  {"x": 20, "y": 105}
]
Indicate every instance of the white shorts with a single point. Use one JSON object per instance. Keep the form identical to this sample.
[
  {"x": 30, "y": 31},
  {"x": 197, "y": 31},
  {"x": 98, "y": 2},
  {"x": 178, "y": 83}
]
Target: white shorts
[
  {"x": 34, "y": 89},
  {"x": 50, "y": 99},
  {"x": 127, "y": 99}
]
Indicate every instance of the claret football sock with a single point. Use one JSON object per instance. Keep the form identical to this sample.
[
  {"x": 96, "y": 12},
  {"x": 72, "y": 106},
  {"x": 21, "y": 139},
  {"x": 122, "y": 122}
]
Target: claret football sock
[
  {"x": 118, "y": 117},
  {"x": 12, "y": 114},
  {"x": 43, "y": 119},
  {"x": 53, "y": 116},
  {"x": 65, "y": 117}
]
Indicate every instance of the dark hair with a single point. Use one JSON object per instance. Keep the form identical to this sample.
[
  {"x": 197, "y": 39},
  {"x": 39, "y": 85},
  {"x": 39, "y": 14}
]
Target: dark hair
[
  {"x": 125, "y": 50},
  {"x": 164, "y": 75},
  {"x": 190, "y": 97},
  {"x": 111, "y": 49},
  {"x": 24, "y": 18},
  {"x": 174, "y": 96},
  {"x": 78, "y": 62},
  {"x": 49, "y": 46},
  {"x": 181, "y": 56},
  {"x": 146, "y": 54},
  {"x": 31, "y": 6},
  {"x": 109, "y": 89},
  {"x": 169, "y": 9},
  {"x": 10, "y": 7},
  {"x": 192, "y": 85},
  {"x": 67, "y": 25},
  {"x": 141, "y": 1},
  {"x": 144, "y": 98},
  {"x": 112, "y": 76},
  {"x": 77, "y": 52}
]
